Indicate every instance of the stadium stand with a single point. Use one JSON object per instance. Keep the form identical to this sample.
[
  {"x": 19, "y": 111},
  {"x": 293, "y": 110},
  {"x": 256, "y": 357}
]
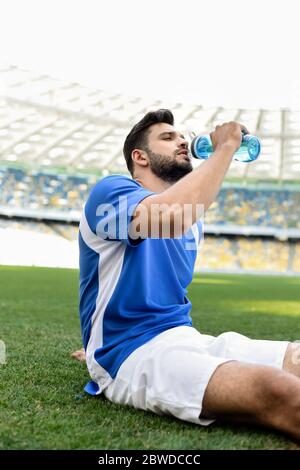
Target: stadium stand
[
  {"x": 234, "y": 205},
  {"x": 296, "y": 259},
  {"x": 57, "y": 139},
  {"x": 41, "y": 190},
  {"x": 241, "y": 254}
]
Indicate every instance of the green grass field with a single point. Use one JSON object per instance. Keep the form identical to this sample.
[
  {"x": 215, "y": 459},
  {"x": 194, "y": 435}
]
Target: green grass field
[{"x": 42, "y": 403}]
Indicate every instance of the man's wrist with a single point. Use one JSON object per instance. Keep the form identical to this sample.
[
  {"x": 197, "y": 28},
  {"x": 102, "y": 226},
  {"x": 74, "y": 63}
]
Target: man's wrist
[{"x": 226, "y": 148}]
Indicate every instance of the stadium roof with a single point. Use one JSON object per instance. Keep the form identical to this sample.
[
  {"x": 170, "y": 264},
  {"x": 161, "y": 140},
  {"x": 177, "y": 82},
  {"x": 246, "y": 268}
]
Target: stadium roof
[{"x": 49, "y": 123}]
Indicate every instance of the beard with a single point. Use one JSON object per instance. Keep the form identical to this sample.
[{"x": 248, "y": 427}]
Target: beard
[{"x": 167, "y": 168}]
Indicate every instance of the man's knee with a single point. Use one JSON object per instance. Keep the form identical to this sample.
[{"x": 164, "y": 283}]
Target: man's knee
[
  {"x": 277, "y": 396},
  {"x": 256, "y": 394},
  {"x": 253, "y": 392}
]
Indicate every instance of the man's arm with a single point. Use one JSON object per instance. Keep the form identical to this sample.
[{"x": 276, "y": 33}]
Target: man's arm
[{"x": 201, "y": 186}]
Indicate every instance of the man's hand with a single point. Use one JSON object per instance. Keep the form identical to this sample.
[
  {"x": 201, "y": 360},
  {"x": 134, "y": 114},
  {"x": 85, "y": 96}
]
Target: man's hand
[
  {"x": 79, "y": 355},
  {"x": 229, "y": 135}
]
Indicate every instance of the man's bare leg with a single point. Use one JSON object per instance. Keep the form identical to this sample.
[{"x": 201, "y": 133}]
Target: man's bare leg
[{"x": 254, "y": 394}]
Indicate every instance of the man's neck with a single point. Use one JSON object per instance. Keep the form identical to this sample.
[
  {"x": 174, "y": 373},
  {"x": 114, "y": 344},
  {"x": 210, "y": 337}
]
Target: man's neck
[{"x": 153, "y": 183}]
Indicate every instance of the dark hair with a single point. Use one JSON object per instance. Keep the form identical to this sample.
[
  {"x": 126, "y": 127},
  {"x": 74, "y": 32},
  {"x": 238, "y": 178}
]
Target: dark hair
[{"x": 138, "y": 136}]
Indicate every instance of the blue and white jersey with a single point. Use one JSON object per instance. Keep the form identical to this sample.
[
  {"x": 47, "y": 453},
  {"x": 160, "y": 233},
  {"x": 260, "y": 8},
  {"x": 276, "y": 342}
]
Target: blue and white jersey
[{"x": 129, "y": 291}]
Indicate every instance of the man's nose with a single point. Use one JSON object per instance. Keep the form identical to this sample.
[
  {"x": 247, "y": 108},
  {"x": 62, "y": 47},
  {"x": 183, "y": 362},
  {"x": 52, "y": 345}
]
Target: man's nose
[{"x": 182, "y": 142}]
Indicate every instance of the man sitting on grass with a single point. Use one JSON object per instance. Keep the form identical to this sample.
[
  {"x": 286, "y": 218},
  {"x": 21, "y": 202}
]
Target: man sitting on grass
[{"x": 139, "y": 343}]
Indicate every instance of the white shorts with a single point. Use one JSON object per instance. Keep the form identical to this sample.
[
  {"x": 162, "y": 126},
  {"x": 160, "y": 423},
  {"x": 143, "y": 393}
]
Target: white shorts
[{"x": 169, "y": 374}]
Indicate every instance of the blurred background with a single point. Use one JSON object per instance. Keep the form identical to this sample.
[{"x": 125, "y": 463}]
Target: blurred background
[{"x": 74, "y": 78}]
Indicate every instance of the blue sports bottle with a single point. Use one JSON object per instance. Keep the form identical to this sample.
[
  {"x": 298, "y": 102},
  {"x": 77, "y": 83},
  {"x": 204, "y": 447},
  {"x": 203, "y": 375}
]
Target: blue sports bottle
[{"x": 201, "y": 147}]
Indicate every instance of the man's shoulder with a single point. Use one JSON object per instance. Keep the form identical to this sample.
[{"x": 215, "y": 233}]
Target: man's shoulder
[
  {"x": 110, "y": 179},
  {"x": 116, "y": 180},
  {"x": 110, "y": 188}
]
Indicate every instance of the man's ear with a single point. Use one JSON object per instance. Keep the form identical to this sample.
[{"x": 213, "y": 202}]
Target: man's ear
[{"x": 140, "y": 157}]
